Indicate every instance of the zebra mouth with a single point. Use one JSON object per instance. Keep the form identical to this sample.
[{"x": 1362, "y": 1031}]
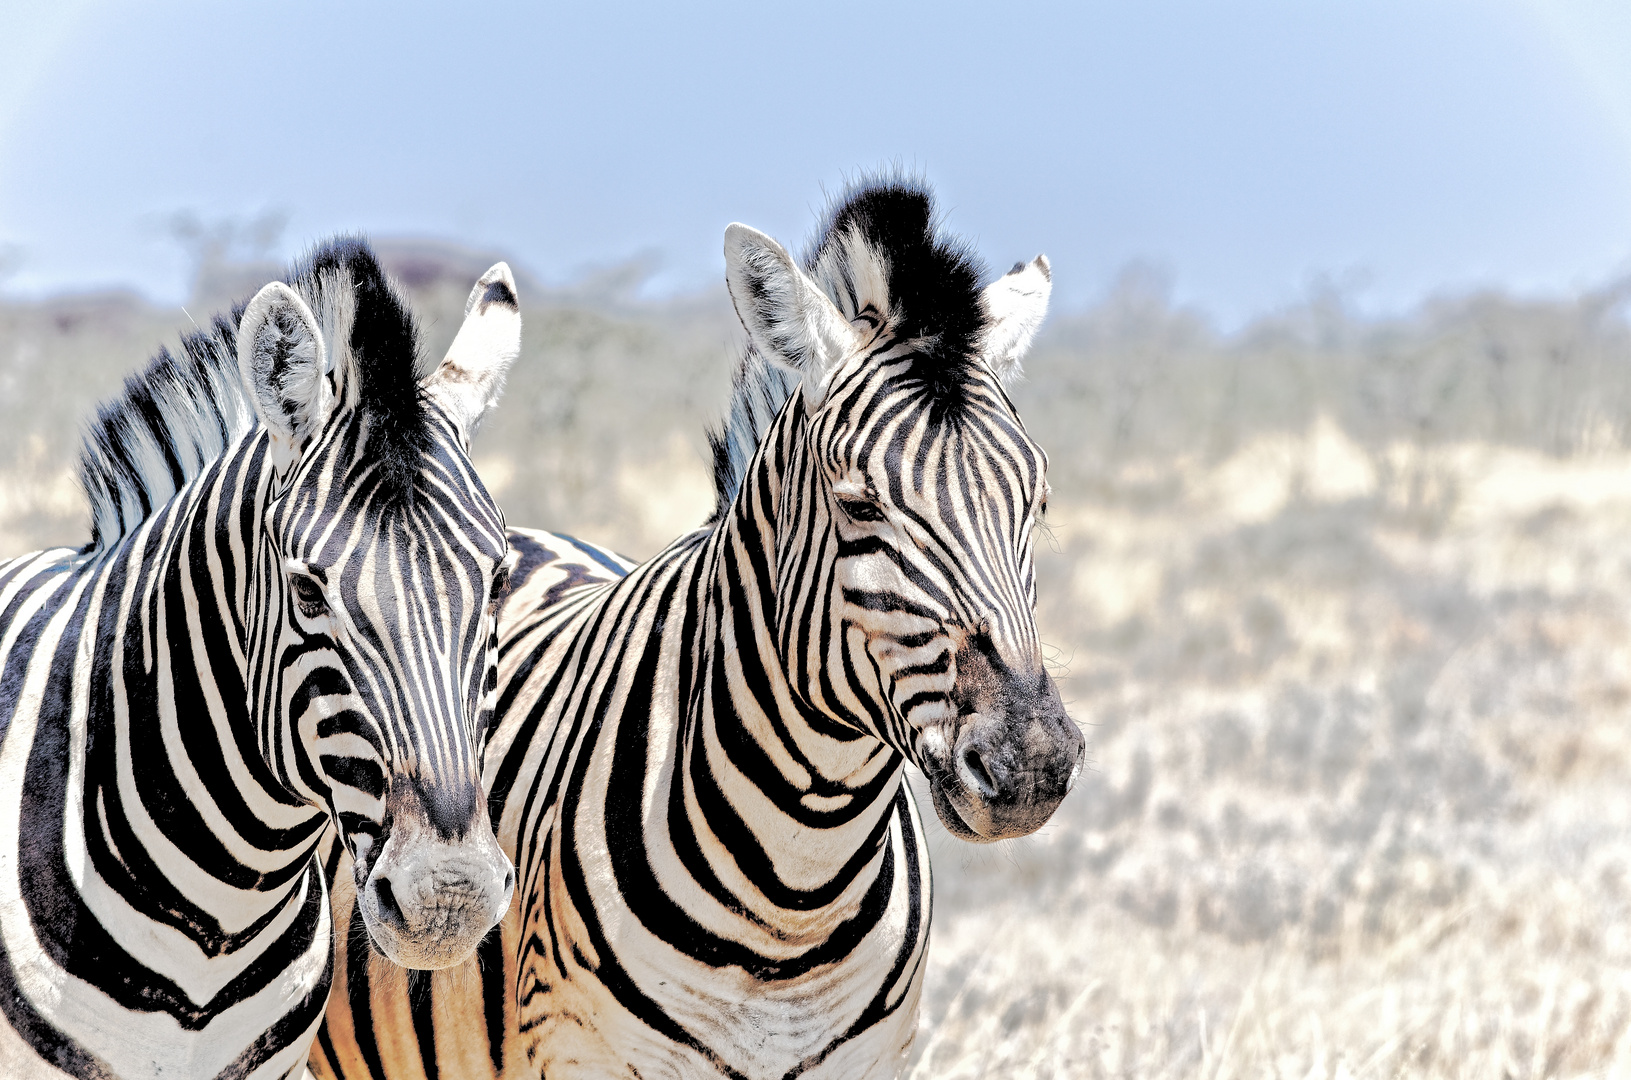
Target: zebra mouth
[{"x": 946, "y": 809}]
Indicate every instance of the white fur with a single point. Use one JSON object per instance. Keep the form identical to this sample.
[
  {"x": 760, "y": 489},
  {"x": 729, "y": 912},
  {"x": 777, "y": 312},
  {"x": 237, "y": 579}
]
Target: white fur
[
  {"x": 787, "y": 316},
  {"x": 855, "y": 275},
  {"x": 470, "y": 378},
  {"x": 1015, "y": 305}
]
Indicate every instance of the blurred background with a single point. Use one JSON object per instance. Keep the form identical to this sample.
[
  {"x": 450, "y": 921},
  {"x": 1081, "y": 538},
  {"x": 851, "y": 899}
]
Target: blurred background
[{"x": 1337, "y": 393}]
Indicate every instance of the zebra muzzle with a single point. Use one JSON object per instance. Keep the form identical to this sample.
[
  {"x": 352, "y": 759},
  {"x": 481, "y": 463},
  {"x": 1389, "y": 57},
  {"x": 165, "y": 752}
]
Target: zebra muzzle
[
  {"x": 1007, "y": 768},
  {"x": 430, "y": 896}
]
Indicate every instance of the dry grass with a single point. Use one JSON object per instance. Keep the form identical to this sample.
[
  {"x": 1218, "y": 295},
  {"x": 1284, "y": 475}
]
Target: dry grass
[
  {"x": 1344, "y": 608},
  {"x": 1361, "y": 802}
]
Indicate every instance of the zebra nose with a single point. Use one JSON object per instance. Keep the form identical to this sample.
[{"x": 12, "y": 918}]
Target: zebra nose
[
  {"x": 983, "y": 765},
  {"x": 430, "y": 894},
  {"x": 428, "y": 910},
  {"x": 1012, "y": 768},
  {"x": 390, "y": 911}
]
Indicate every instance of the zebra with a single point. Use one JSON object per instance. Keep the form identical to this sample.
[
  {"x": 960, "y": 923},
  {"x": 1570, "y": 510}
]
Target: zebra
[
  {"x": 281, "y": 630},
  {"x": 698, "y": 761}
]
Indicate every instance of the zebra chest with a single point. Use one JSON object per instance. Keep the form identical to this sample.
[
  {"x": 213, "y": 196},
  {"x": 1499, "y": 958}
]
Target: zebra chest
[
  {"x": 664, "y": 980},
  {"x": 587, "y": 1029}
]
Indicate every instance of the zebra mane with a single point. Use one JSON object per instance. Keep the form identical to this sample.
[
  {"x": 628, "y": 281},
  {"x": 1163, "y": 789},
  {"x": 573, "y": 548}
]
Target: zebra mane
[
  {"x": 182, "y": 411},
  {"x": 880, "y": 245},
  {"x": 759, "y": 389}
]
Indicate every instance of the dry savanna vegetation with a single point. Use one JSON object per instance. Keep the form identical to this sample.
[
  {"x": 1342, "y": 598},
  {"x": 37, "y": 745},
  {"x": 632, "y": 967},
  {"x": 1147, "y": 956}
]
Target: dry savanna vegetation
[{"x": 1343, "y": 605}]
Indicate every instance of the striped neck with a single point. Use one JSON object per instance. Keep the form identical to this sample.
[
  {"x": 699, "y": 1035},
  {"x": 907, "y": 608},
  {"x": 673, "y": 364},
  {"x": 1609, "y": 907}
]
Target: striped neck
[
  {"x": 807, "y": 832},
  {"x": 210, "y": 844}
]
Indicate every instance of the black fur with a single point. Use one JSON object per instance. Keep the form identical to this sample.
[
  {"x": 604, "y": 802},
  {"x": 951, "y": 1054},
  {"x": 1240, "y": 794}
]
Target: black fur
[
  {"x": 385, "y": 349},
  {"x": 934, "y": 278},
  {"x": 500, "y": 294}
]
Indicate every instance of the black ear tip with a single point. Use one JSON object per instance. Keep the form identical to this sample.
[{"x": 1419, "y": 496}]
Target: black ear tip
[
  {"x": 1017, "y": 267},
  {"x": 499, "y": 292}
]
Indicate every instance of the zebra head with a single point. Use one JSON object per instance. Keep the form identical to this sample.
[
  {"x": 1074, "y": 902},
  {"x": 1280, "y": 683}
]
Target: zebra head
[
  {"x": 905, "y": 591},
  {"x": 374, "y": 659}
]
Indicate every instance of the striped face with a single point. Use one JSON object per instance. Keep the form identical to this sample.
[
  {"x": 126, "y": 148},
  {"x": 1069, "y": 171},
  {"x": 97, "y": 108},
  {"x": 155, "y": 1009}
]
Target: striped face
[
  {"x": 928, "y": 512},
  {"x": 385, "y": 660},
  {"x": 375, "y": 660},
  {"x": 904, "y": 567}
]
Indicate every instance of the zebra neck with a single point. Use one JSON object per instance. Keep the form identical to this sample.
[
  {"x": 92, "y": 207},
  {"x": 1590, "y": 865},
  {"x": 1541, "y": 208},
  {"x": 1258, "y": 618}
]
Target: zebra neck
[
  {"x": 805, "y": 800},
  {"x": 228, "y": 839}
]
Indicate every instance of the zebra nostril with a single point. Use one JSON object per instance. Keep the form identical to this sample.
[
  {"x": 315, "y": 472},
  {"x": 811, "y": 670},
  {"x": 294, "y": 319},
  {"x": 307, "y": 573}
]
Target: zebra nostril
[
  {"x": 979, "y": 773},
  {"x": 509, "y": 879},
  {"x": 389, "y": 909}
]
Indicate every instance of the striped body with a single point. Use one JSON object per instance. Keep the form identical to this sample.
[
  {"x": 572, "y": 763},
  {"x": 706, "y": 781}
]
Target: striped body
[
  {"x": 698, "y": 764},
  {"x": 616, "y": 950},
  {"x": 269, "y": 635}
]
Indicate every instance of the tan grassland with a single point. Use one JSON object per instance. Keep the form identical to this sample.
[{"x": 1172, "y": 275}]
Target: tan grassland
[{"x": 1343, "y": 606}]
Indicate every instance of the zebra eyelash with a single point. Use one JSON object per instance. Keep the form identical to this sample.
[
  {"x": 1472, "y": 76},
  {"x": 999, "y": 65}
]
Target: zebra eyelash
[
  {"x": 308, "y": 596},
  {"x": 860, "y": 509}
]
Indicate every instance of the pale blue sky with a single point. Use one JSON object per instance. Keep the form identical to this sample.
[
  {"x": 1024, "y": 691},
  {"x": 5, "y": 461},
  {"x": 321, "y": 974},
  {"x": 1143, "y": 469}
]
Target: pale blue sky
[{"x": 1246, "y": 148}]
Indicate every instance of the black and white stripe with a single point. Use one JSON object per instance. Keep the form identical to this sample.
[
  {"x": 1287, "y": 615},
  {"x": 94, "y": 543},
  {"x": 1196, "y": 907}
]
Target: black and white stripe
[
  {"x": 698, "y": 761},
  {"x": 281, "y": 626}
]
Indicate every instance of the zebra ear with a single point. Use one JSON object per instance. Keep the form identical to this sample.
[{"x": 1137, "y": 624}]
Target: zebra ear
[
  {"x": 282, "y": 361},
  {"x": 470, "y": 378},
  {"x": 787, "y": 316},
  {"x": 1015, "y": 305}
]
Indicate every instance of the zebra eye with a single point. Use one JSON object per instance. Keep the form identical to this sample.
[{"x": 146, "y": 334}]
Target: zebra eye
[
  {"x": 859, "y": 509},
  {"x": 501, "y": 584},
  {"x": 308, "y": 596}
]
